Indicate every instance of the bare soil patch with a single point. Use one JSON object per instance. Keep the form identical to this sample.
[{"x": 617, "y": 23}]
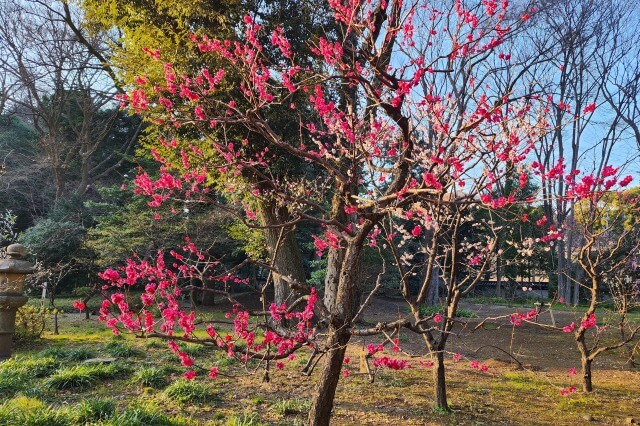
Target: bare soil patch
[{"x": 536, "y": 347}]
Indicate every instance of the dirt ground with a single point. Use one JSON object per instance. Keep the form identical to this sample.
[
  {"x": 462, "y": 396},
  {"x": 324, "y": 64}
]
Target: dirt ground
[
  {"x": 531, "y": 346},
  {"x": 536, "y": 347}
]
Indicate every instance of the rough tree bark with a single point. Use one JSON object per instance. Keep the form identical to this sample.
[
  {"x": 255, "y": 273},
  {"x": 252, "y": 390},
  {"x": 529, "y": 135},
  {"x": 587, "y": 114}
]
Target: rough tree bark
[
  {"x": 320, "y": 413},
  {"x": 439, "y": 378},
  {"x": 342, "y": 313},
  {"x": 283, "y": 249},
  {"x": 587, "y": 385}
]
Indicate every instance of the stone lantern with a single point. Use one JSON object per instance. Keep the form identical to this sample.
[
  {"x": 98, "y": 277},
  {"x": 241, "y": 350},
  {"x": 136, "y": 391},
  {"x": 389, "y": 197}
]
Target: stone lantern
[{"x": 13, "y": 271}]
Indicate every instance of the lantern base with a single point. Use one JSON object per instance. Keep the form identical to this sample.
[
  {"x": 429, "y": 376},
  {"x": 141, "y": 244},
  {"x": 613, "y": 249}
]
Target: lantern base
[{"x": 9, "y": 305}]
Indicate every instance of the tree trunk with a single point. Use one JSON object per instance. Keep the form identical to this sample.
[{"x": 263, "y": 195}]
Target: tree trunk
[
  {"x": 587, "y": 385},
  {"x": 320, "y": 412},
  {"x": 208, "y": 298},
  {"x": 579, "y": 277},
  {"x": 440, "y": 383},
  {"x": 631, "y": 362},
  {"x": 562, "y": 284},
  {"x": 585, "y": 361},
  {"x": 52, "y": 297},
  {"x": 498, "y": 277},
  {"x": 332, "y": 277},
  {"x": 558, "y": 275},
  {"x": 55, "y": 322},
  {"x": 576, "y": 294},
  {"x": 82, "y": 186},
  {"x": 434, "y": 287},
  {"x": 283, "y": 250},
  {"x": 344, "y": 263}
]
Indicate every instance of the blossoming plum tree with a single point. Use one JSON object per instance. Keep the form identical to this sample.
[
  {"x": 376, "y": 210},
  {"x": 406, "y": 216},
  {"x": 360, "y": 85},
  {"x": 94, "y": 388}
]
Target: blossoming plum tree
[
  {"x": 398, "y": 156},
  {"x": 606, "y": 224},
  {"x": 477, "y": 175}
]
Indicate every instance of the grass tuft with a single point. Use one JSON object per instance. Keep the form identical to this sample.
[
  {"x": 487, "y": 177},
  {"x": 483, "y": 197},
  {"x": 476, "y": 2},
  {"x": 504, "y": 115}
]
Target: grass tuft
[
  {"x": 121, "y": 350},
  {"x": 68, "y": 354},
  {"x": 34, "y": 367},
  {"x": 147, "y": 414},
  {"x": 25, "y": 411},
  {"x": 94, "y": 410},
  {"x": 13, "y": 381},
  {"x": 246, "y": 419},
  {"x": 187, "y": 391},
  {"x": 151, "y": 376},
  {"x": 75, "y": 377},
  {"x": 156, "y": 344},
  {"x": 440, "y": 410},
  {"x": 428, "y": 310},
  {"x": 194, "y": 349},
  {"x": 577, "y": 402},
  {"x": 83, "y": 375},
  {"x": 287, "y": 407}
]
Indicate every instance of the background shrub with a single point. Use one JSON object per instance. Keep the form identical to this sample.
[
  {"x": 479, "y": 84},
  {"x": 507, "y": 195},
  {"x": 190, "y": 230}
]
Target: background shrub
[{"x": 31, "y": 321}]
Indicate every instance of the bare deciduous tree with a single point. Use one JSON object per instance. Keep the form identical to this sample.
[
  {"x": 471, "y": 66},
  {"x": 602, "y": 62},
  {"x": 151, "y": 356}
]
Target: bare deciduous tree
[
  {"x": 65, "y": 93},
  {"x": 584, "y": 42}
]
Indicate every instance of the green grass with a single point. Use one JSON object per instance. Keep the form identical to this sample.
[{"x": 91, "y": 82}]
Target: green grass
[
  {"x": 68, "y": 354},
  {"x": 194, "y": 349},
  {"x": 503, "y": 301},
  {"x": 428, "y": 310},
  {"x": 155, "y": 344},
  {"x": 39, "y": 367},
  {"x": 143, "y": 416},
  {"x": 287, "y": 407},
  {"x": 522, "y": 381},
  {"x": 391, "y": 379},
  {"x": 151, "y": 376},
  {"x": 577, "y": 402},
  {"x": 151, "y": 390},
  {"x": 74, "y": 377},
  {"x": 83, "y": 375},
  {"x": 439, "y": 410},
  {"x": 121, "y": 350},
  {"x": 13, "y": 381},
  {"x": 93, "y": 410},
  {"x": 18, "y": 374},
  {"x": 189, "y": 391},
  {"x": 25, "y": 411},
  {"x": 65, "y": 304},
  {"x": 246, "y": 419},
  {"x": 147, "y": 414}
]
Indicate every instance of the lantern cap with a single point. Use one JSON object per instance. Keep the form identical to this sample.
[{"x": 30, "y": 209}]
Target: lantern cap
[
  {"x": 16, "y": 251},
  {"x": 14, "y": 262}
]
